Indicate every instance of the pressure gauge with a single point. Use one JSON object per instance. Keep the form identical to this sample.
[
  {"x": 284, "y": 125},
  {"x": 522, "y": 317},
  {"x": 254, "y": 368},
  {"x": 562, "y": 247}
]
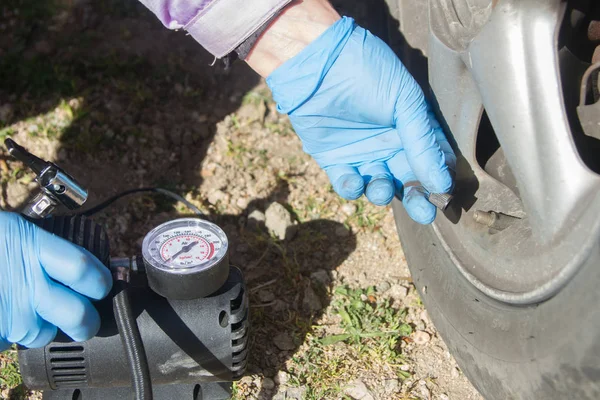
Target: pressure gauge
[{"x": 186, "y": 258}]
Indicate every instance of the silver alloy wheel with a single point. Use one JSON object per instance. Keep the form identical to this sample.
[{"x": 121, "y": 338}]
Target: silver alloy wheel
[{"x": 505, "y": 60}]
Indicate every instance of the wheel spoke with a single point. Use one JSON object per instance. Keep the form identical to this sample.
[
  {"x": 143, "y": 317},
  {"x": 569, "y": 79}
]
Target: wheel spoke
[{"x": 514, "y": 63}]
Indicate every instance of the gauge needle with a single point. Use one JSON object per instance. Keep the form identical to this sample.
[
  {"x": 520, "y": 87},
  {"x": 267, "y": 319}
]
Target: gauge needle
[{"x": 184, "y": 249}]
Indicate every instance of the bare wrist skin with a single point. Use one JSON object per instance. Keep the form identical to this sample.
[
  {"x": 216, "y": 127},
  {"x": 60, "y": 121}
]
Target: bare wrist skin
[{"x": 301, "y": 22}]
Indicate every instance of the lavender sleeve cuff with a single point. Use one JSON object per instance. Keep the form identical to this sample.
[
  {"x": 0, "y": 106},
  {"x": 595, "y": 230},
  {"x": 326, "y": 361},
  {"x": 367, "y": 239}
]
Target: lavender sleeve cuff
[{"x": 218, "y": 25}]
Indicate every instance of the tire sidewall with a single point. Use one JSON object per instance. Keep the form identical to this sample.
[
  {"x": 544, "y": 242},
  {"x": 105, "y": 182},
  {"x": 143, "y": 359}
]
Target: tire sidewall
[{"x": 550, "y": 350}]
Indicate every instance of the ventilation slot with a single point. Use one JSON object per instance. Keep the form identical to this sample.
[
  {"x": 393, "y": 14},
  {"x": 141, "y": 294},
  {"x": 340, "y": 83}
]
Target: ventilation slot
[
  {"x": 67, "y": 366},
  {"x": 240, "y": 326}
]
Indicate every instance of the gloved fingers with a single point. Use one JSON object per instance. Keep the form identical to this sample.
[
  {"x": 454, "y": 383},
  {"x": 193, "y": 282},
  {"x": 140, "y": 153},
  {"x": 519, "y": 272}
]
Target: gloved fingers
[
  {"x": 413, "y": 198},
  {"x": 346, "y": 181},
  {"x": 415, "y": 124},
  {"x": 379, "y": 182},
  {"x": 73, "y": 266},
  {"x": 71, "y": 312},
  {"x": 44, "y": 335}
]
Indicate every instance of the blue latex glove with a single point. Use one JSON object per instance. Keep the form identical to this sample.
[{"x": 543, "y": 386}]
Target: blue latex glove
[
  {"x": 364, "y": 119},
  {"x": 44, "y": 281}
]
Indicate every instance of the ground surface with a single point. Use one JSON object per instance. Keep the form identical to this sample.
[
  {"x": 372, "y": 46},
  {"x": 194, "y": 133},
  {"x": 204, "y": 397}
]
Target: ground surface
[{"x": 118, "y": 101}]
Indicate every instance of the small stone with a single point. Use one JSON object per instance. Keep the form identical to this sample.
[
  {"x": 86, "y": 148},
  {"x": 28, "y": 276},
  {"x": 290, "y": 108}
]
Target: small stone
[
  {"x": 444, "y": 396},
  {"x": 391, "y": 385},
  {"x": 266, "y": 296},
  {"x": 282, "y": 378},
  {"x": 256, "y": 219},
  {"x": 348, "y": 209},
  {"x": 383, "y": 287},
  {"x": 421, "y": 337},
  {"x": 284, "y": 342},
  {"x": 296, "y": 393},
  {"x": 33, "y": 128},
  {"x": 279, "y": 221},
  {"x": 342, "y": 231},
  {"x": 358, "y": 391},
  {"x": 242, "y": 202},
  {"x": 398, "y": 291},
  {"x": 217, "y": 196},
  {"x": 425, "y": 317},
  {"x": 455, "y": 373},
  {"x": 419, "y": 325},
  {"x": 311, "y": 301},
  {"x": 268, "y": 384},
  {"x": 321, "y": 277},
  {"x": 405, "y": 367}
]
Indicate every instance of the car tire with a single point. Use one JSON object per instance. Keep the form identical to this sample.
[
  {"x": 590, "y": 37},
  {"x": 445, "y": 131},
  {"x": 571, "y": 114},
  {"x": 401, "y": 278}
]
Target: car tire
[{"x": 547, "y": 351}]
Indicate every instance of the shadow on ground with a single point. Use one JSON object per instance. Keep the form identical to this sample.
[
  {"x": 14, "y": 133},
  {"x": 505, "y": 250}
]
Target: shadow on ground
[
  {"x": 138, "y": 105},
  {"x": 120, "y": 102}
]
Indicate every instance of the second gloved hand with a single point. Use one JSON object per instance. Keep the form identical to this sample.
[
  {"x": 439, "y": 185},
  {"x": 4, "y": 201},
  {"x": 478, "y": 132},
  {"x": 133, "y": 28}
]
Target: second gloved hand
[
  {"x": 46, "y": 282},
  {"x": 364, "y": 119}
]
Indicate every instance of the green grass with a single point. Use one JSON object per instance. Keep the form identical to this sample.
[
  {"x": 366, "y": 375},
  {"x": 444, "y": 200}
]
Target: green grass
[
  {"x": 367, "y": 216},
  {"x": 10, "y": 376},
  {"x": 372, "y": 331},
  {"x": 371, "y": 325}
]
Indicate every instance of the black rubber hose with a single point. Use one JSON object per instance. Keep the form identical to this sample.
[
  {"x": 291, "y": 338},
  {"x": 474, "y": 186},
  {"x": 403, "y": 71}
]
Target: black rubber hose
[
  {"x": 164, "y": 192},
  {"x": 132, "y": 343}
]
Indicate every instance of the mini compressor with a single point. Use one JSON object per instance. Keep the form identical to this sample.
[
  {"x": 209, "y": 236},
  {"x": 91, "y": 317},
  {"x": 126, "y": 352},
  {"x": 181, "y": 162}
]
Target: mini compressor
[{"x": 175, "y": 325}]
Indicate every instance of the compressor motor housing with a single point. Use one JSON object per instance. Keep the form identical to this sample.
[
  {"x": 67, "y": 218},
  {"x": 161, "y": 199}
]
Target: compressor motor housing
[{"x": 194, "y": 347}]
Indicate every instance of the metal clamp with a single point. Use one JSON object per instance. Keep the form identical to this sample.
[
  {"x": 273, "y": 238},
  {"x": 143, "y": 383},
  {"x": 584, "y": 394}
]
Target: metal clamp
[{"x": 58, "y": 187}]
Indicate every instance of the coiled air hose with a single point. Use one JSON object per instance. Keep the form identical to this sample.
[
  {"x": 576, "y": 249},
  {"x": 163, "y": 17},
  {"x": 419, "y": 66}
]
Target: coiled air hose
[{"x": 132, "y": 343}]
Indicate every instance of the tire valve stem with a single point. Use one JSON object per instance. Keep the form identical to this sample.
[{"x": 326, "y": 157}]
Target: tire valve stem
[{"x": 494, "y": 220}]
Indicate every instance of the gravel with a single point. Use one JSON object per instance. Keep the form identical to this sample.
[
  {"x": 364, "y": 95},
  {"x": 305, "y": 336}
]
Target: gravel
[{"x": 234, "y": 161}]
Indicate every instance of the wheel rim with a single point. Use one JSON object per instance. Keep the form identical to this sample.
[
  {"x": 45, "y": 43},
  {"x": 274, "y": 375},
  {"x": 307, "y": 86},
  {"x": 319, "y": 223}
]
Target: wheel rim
[{"x": 510, "y": 67}]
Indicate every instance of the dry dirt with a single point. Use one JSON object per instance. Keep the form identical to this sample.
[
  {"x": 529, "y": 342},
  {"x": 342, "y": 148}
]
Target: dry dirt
[{"x": 121, "y": 103}]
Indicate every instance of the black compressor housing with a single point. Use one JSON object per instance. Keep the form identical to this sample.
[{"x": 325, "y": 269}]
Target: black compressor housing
[{"x": 195, "y": 348}]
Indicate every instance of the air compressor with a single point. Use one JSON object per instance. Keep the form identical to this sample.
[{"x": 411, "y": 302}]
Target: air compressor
[{"x": 176, "y": 323}]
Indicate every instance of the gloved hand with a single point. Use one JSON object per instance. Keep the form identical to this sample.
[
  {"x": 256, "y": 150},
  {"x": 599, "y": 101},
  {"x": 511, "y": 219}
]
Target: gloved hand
[
  {"x": 33, "y": 302},
  {"x": 364, "y": 119}
]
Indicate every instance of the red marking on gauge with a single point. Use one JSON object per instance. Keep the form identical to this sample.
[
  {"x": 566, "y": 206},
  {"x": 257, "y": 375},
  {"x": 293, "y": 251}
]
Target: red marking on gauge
[{"x": 212, "y": 250}]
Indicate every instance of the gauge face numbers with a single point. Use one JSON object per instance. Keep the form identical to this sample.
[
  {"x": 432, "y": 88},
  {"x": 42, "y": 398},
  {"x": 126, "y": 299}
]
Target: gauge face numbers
[{"x": 184, "y": 247}]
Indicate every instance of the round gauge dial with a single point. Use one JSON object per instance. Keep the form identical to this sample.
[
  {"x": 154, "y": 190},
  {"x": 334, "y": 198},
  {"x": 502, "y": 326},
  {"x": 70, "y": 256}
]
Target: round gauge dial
[{"x": 185, "y": 245}]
